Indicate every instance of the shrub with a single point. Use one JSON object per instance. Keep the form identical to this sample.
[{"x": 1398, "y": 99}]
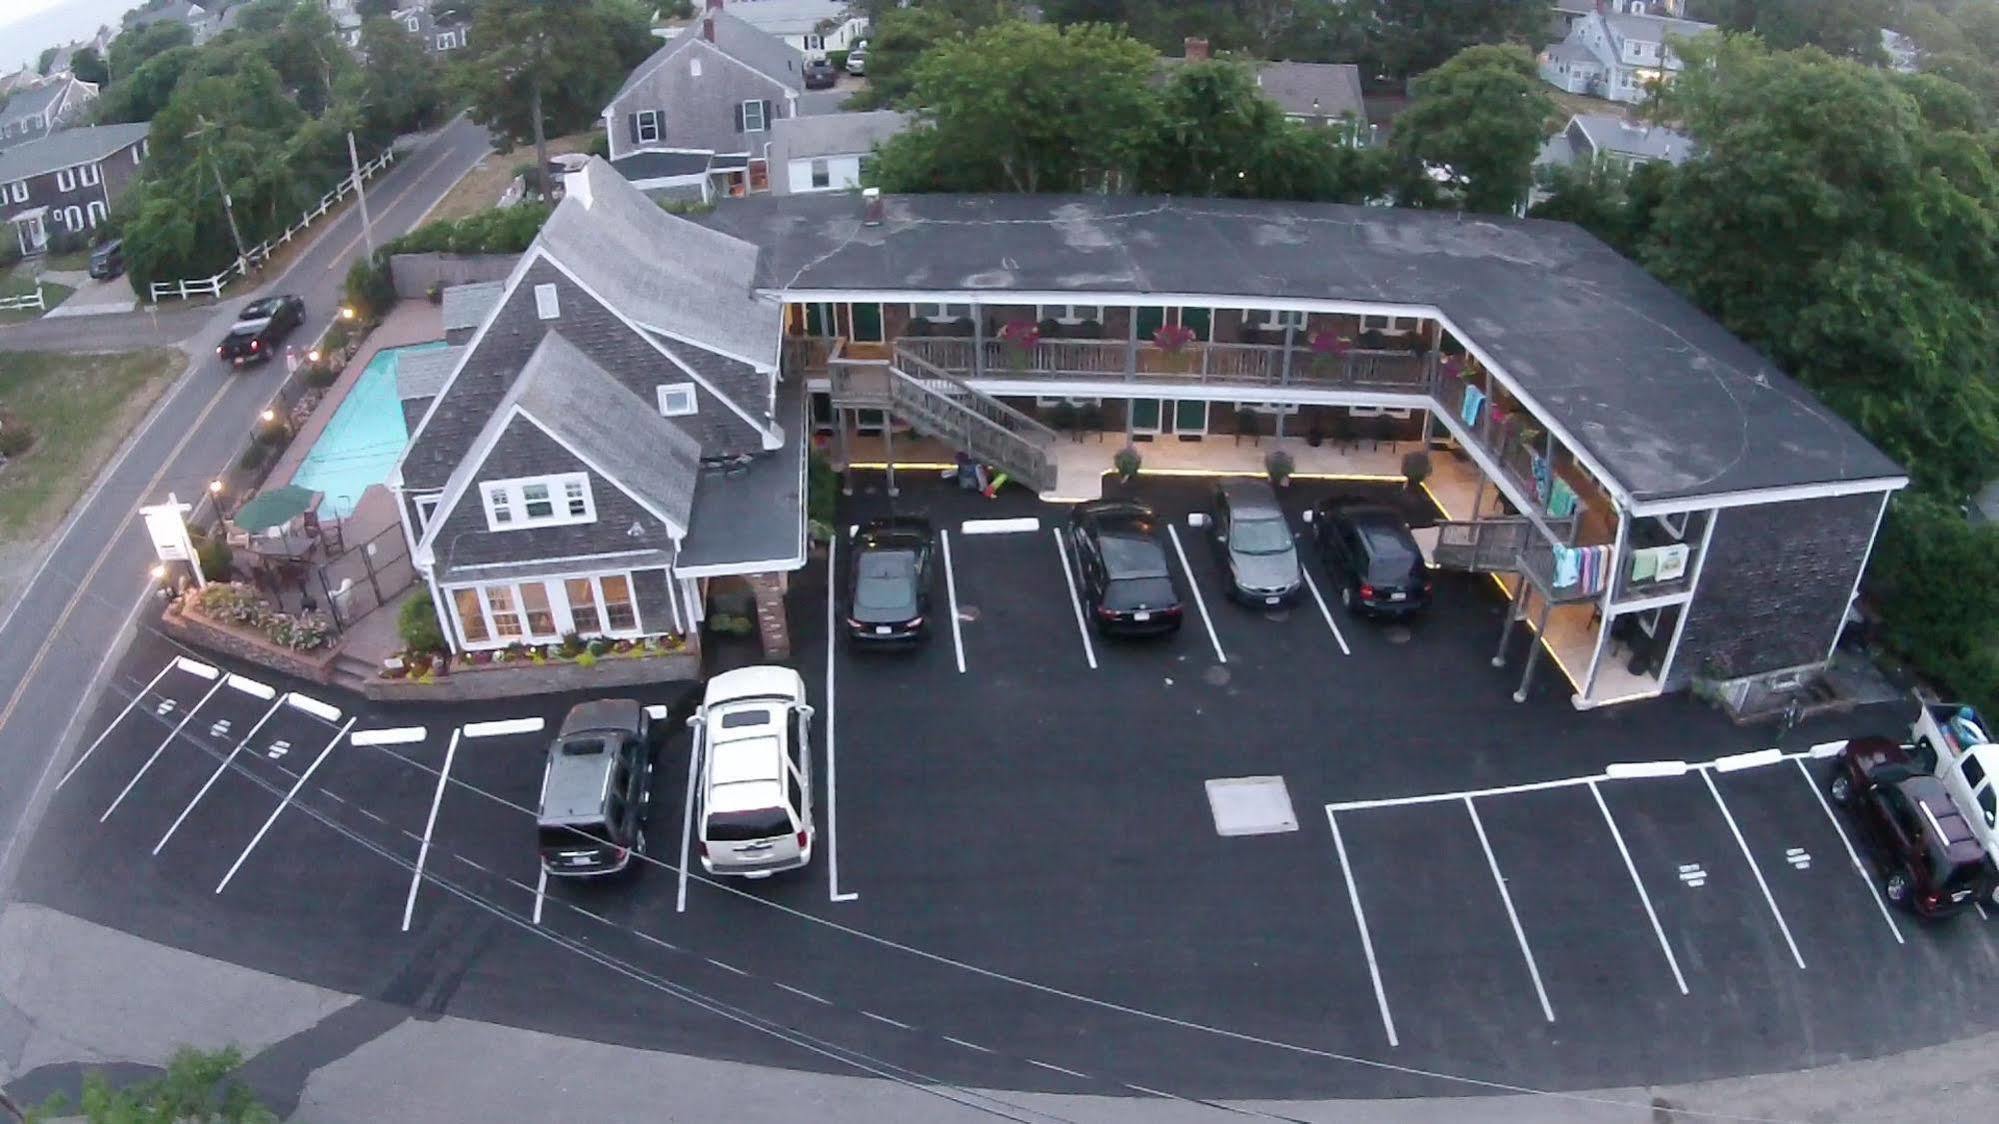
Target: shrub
[
  {"x": 371, "y": 291},
  {"x": 600, "y": 145},
  {"x": 822, "y": 491},
  {"x": 253, "y": 458},
  {"x": 1926, "y": 546},
  {"x": 416, "y": 623},
  {"x": 838, "y": 59},
  {"x": 320, "y": 375},
  {"x": 1415, "y": 468},
  {"x": 15, "y": 435},
  {"x": 273, "y": 433},
  {"x": 1127, "y": 461},
  {"x": 337, "y": 335},
  {"x": 217, "y": 560},
  {"x": 586, "y": 659},
  {"x": 1278, "y": 464}
]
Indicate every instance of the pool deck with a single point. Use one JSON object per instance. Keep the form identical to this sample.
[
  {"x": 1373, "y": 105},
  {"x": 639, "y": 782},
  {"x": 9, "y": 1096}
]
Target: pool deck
[{"x": 411, "y": 321}]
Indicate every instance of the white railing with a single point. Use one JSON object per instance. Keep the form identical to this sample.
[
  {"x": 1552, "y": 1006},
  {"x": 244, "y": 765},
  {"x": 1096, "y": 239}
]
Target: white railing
[
  {"x": 259, "y": 254},
  {"x": 25, "y": 300}
]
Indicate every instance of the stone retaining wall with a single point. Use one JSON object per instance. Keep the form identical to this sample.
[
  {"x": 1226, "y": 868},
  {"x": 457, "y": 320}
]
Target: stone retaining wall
[
  {"x": 466, "y": 684},
  {"x": 316, "y": 666}
]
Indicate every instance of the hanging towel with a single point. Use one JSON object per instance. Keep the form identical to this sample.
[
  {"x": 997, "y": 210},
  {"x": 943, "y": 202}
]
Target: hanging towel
[
  {"x": 1644, "y": 564},
  {"x": 1567, "y": 564},
  {"x": 1561, "y": 499},
  {"x": 1672, "y": 561},
  {"x": 1539, "y": 465},
  {"x": 1474, "y": 400}
]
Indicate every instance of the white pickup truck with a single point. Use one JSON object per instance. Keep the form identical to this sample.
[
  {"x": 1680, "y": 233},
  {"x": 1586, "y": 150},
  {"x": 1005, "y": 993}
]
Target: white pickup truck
[{"x": 1952, "y": 742}]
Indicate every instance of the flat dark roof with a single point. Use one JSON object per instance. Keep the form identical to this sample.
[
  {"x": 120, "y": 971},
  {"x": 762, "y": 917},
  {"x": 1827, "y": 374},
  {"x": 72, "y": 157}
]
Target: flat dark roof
[{"x": 1664, "y": 398}]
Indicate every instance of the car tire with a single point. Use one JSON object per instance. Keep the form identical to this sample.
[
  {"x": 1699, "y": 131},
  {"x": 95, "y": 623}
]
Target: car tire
[
  {"x": 1841, "y": 789},
  {"x": 1898, "y": 887},
  {"x": 1346, "y": 600}
]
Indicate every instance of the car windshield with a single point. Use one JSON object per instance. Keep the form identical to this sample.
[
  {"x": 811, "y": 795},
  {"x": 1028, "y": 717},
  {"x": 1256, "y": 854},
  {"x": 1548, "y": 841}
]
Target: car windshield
[
  {"x": 883, "y": 579},
  {"x": 572, "y": 835},
  {"x": 1133, "y": 557},
  {"x": 1260, "y": 536},
  {"x": 243, "y": 331},
  {"x": 1139, "y": 593},
  {"x": 260, "y": 310},
  {"x": 747, "y": 827}
]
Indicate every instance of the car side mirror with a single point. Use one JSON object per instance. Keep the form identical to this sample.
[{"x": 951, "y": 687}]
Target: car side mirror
[{"x": 1198, "y": 519}]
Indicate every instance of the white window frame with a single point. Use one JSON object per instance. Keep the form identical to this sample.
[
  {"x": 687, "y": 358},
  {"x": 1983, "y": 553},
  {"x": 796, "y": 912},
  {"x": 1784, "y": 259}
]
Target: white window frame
[
  {"x": 86, "y": 174},
  {"x": 426, "y": 508},
  {"x": 562, "y": 615},
  {"x": 547, "y": 302},
  {"x": 508, "y": 498},
  {"x": 96, "y": 212},
  {"x": 20, "y": 191},
  {"x": 72, "y": 218},
  {"x": 815, "y": 42},
  {"x": 66, "y": 180},
  {"x": 1269, "y": 407},
  {"x": 648, "y": 119},
  {"x": 1071, "y": 399},
  {"x": 414, "y": 23},
  {"x": 1400, "y": 413},
  {"x": 1390, "y": 325},
  {"x": 821, "y": 171},
  {"x": 694, "y": 68},
  {"x": 444, "y": 41},
  {"x": 942, "y": 313},
  {"x": 1282, "y": 318},
  {"x": 1069, "y": 313},
  {"x": 677, "y": 399},
  {"x": 761, "y": 124}
]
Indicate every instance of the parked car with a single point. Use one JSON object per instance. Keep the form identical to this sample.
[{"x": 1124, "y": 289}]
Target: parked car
[
  {"x": 754, "y": 737},
  {"x": 857, "y": 59},
  {"x": 888, "y": 590},
  {"x": 1253, "y": 538},
  {"x": 260, "y": 328},
  {"x": 1372, "y": 557},
  {"x": 108, "y": 261},
  {"x": 595, "y": 790},
  {"x": 1929, "y": 857},
  {"x": 820, "y": 75},
  {"x": 1125, "y": 583}
]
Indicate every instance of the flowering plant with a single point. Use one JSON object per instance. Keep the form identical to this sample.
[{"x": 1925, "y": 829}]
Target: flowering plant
[
  {"x": 1022, "y": 334},
  {"x": 1173, "y": 338},
  {"x": 1326, "y": 342}
]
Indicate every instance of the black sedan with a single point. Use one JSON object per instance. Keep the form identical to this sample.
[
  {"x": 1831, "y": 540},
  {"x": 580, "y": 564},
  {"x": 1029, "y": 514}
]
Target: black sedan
[
  {"x": 261, "y": 328},
  {"x": 1372, "y": 557},
  {"x": 888, "y": 590},
  {"x": 1125, "y": 583}
]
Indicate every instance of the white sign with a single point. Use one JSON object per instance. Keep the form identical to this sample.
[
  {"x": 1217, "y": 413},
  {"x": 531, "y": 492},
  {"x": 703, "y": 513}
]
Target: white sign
[{"x": 169, "y": 532}]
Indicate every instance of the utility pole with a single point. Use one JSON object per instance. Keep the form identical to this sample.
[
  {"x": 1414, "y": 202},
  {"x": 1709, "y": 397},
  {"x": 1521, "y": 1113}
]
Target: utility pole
[
  {"x": 361, "y": 193},
  {"x": 228, "y": 205}
]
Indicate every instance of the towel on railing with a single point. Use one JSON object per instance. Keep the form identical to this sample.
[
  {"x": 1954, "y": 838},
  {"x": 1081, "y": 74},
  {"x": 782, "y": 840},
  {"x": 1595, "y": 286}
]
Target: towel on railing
[
  {"x": 1561, "y": 499},
  {"x": 1644, "y": 564},
  {"x": 1568, "y": 566},
  {"x": 1538, "y": 464},
  {"x": 1474, "y": 401}
]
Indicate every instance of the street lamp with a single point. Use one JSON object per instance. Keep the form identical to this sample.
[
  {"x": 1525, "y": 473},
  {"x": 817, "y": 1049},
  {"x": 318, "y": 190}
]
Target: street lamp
[
  {"x": 312, "y": 356},
  {"x": 347, "y": 312},
  {"x": 269, "y": 415}
]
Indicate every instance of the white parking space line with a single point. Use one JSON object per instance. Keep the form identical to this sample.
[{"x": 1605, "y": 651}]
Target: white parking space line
[
  {"x": 1306, "y": 570},
  {"x": 186, "y": 716},
  {"x": 400, "y": 735},
  {"x": 802, "y": 993},
  {"x": 1782, "y": 927},
  {"x": 314, "y": 707},
  {"x": 1201, "y": 603},
  {"x": 196, "y": 667},
  {"x": 951, "y": 588},
  {"x": 1075, "y": 602},
  {"x": 1360, "y": 922},
  {"x": 429, "y": 825},
  {"x": 216, "y": 775},
  {"x": 1058, "y": 1069},
  {"x": 1513, "y": 916},
  {"x": 1644, "y": 898},
  {"x": 687, "y": 806},
  {"x": 130, "y": 705},
  {"x": 1853, "y": 856},
  {"x": 282, "y": 805},
  {"x": 540, "y": 891},
  {"x": 832, "y": 757},
  {"x": 958, "y": 1041}
]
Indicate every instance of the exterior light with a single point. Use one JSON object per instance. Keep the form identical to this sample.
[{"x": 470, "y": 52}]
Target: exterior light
[
  {"x": 159, "y": 573},
  {"x": 215, "y": 487},
  {"x": 269, "y": 415},
  {"x": 312, "y": 356},
  {"x": 347, "y": 312}
]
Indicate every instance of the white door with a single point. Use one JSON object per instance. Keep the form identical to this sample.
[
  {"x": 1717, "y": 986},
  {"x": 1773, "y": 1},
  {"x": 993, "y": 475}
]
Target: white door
[{"x": 37, "y": 235}]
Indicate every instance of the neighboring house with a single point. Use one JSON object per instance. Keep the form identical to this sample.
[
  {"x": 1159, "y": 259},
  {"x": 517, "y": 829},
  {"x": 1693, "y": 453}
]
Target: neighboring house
[
  {"x": 66, "y": 182},
  {"x": 197, "y": 18},
  {"x": 612, "y": 445},
  {"x": 1589, "y": 137},
  {"x": 19, "y": 80},
  {"x": 1902, "y": 53},
  {"x": 813, "y": 27},
  {"x": 827, "y": 152},
  {"x": 440, "y": 28},
  {"x": 701, "y": 108},
  {"x": 1617, "y": 55},
  {"x": 346, "y": 21},
  {"x": 53, "y": 104},
  {"x": 1325, "y": 94}
]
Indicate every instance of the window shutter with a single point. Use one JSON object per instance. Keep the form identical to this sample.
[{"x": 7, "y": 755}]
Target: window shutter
[
  {"x": 633, "y": 120},
  {"x": 766, "y": 114},
  {"x": 739, "y": 117}
]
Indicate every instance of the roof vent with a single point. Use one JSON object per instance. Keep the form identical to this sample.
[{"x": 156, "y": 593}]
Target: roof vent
[{"x": 871, "y": 198}]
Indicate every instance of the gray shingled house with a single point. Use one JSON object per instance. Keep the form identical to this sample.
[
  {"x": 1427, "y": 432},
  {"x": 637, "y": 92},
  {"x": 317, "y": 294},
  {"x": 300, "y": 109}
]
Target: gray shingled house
[{"x": 611, "y": 440}]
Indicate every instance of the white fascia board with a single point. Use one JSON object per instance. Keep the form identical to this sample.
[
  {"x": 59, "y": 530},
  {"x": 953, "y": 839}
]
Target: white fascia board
[
  {"x": 1121, "y": 299},
  {"x": 1770, "y": 495}
]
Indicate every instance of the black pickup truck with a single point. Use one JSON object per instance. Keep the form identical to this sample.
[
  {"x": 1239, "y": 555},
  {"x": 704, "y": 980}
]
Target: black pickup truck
[{"x": 260, "y": 328}]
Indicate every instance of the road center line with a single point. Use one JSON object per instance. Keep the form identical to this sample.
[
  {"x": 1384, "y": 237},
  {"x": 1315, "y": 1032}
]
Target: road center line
[
  {"x": 1782, "y": 927},
  {"x": 1360, "y": 922},
  {"x": 1306, "y": 570},
  {"x": 217, "y": 775},
  {"x": 186, "y": 716},
  {"x": 1075, "y": 602},
  {"x": 429, "y": 825},
  {"x": 1512, "y": 915},
  {"x": 1644, "y": 898},
  {"x": 1194, "y": 587},
  {"x": 282, "y": 805},
  {"x": 951, "y": 588},
  {"x": 1852, "y": 855}
]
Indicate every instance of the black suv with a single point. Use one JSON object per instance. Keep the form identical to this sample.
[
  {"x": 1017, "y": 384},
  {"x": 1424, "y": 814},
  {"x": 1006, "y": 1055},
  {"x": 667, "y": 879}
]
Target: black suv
[
  {"x": 820, "y": 75},
  {"x": 1126, "y": 585},
  {"x": 260, "y": 328},
  {"x": 1930, "y": 858},
  {"x": 108, "y": 261},
  {"x": 1371, "y": 556},
  {"x": 888, "y": 590},
  {"x": 595, "y": 788}
]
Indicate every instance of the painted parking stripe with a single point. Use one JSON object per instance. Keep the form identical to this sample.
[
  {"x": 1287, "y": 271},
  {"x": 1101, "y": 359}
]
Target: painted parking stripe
[
  {"x": 1644, "y": 898},
  {"x": 1512, "y": 915},
  {"x": 400, "y": 735},
  {"x": 1201, "y": 603},
  {"x": 216, "y": 775},
  {"x": 540, "y": 890},
  {"x": 196, "y": 667},
  {"x": 1323, "y": 611},
  {"x": 951, "y": 588},
  {"x": 1782, "y": 927},
  {"x": 832, "y": 757},
  {"x": 1853, "y": 856},
  {"x": 282, "y": 805},
  {"x": 1360, "y": 922},
  {"x": 504, "y": 727},
  {"x": 130, "y": 705},
  {"x": 429, "y": 825},
  {"x": 687, "y": 806},
  {"x": 1075, "y": 602},
  {"x": 186, "y": 716}
]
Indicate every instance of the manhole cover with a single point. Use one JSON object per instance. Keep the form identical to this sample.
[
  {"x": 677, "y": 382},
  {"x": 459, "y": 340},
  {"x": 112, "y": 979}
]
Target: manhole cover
[
  {"x": 1216, "y": 676},
  {"x": 968, "y": 613},
  {"x": 1251, "y": 806},
  {"x": 1395, "y": 634}
]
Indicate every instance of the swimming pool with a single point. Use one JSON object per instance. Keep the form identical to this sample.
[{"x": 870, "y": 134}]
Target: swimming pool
[{"x": 361, "y": 442}]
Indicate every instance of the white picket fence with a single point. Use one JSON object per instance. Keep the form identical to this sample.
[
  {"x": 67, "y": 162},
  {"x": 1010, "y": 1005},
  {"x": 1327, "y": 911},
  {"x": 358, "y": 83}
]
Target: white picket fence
[
  {"x": 25, "y": 300},
  {"x": 261, "y": 253}
]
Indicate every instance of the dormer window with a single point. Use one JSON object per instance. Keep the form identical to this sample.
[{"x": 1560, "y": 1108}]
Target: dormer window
[
  {"x": 677, "y": 400},
  {"x": 538, "y": 501}
]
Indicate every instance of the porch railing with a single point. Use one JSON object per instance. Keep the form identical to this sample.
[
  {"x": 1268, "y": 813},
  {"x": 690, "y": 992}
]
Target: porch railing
[{"x": 1228, "y": 364}]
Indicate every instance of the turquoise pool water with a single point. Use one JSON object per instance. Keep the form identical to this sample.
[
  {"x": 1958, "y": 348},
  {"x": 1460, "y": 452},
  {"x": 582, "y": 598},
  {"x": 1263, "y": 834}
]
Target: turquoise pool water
[{"x": 360, "y": 444}]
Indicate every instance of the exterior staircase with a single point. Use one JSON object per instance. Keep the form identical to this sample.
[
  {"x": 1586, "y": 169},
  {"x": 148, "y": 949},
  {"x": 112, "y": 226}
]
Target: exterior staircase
[
  {"x": 1508, "y": 544},
  {"x": 941, "y": 405}
]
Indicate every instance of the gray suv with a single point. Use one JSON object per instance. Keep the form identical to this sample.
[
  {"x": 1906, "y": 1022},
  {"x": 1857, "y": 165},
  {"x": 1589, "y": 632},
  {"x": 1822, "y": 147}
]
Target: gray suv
[
  {"x": 595, "y": 789},
  {"x": 1253, "y": 540}
]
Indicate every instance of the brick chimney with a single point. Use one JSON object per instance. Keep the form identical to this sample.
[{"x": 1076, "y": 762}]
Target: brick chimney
[
  {"x": 872, "y": 206},
  {"x": 1196, "y": 48}
]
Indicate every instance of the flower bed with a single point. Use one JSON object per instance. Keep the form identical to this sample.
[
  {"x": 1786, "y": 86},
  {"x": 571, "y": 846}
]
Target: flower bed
[
  {"x": 243, "y": 607},
  {"x": 428, "y": 667},
  {"x": 542, "y": 669}
]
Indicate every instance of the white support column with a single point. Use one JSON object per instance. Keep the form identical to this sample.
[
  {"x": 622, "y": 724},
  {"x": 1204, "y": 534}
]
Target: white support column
[
  {"x": 1865, "y": 557},
  {"x": 1693, "y": 587},
  {"x": 1609, "y": 590}
]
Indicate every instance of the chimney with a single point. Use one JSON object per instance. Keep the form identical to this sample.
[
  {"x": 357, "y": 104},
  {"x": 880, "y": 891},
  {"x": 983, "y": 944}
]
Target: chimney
[
  {"x": 872, "y": 199},
  {"x": 714, "y": 5},
  {"x": 1196, "y": 48},
  {"x": 708, "y": 28}
]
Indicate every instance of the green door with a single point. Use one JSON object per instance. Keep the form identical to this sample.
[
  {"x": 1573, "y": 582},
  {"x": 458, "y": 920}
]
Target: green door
[
  {"x": 1145, "y": 415},
  {"x": 867, "y": 321},
  {"x": 1190, "y": 419},
  {"x": 1201, "y": 320},
  {"x": 1148, "y": 321}
]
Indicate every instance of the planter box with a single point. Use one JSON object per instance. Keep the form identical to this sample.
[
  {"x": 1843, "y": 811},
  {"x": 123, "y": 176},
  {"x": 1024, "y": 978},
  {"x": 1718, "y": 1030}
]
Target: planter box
[
  {"x": 512, "y": 680},
  {"x": 252, "y": 647}
]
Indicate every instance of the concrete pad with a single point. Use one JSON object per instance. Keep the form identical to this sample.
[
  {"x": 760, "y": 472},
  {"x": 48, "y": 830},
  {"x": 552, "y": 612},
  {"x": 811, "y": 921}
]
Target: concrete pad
[
  {"x": 1251, "y": 806},
  {"x": 95, "y": 298}
]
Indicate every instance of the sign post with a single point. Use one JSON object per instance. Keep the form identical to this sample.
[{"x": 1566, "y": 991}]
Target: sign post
[{"x": 166, "y": 524}]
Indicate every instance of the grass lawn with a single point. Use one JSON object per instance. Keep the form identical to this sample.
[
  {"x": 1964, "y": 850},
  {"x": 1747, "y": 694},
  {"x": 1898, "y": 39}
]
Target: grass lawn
[
  {"x": 18, "y": 283},
  {"x": 481, "y": 187},
  {"x": 80, "y": 407},
  {"x": 75, "y": 263}
]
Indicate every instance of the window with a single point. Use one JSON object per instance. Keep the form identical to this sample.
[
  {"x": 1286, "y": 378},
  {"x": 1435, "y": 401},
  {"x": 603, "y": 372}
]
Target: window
[
  {"x": 514, "y": 504},
  {"x": 648, "y": 126},
  {"x": 86, "y": 174},
  {"x": 753, "y": 116},
  {"x": 426, "y": 506},
  {"x": 471, "y": 620},
  {"x": 822, "y": 174},
  {"x": 72, "y": 217},
  {"x": 21, "y": 191},
  {"x": 413, "y": 24},
  {"x": 1400, "y": 412},
  {"x": 1388, "y": 323},
  {"x": 1283, "y": 318},
  {"x": 66, "y": 180},
  {"x": 503, "y": 610},
  {"x": 694, "y": 68},
  {"x": 941, "y": 311},
  {"x": 444, "y": 42},
  {"x": 815, "y": 42},
  {"x": 1070, "y": 313},
  {"x": 601, "y": 605},
  {"x": 540, "y": 617},
  {"x": 677, "y": 400},
  {"x": 546, "y": 304},
  {"x": 95, "y": 212},
  {"x": 1270, "y": 407},
  {"x": 620, "y": 615}
]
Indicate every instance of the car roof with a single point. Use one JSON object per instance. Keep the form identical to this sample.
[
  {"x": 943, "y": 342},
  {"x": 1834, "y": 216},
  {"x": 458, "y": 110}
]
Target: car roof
[
  {"x": 1250, "y": 496},
  {"x": 896, "y": 532},
  {"x": 621, "y": 715},
  {"x": 262, "y": 306},
  {"x": 1959, "y": 843},
  {"x": 573, "y": 787},
  {"x": 745, "y": 774}
]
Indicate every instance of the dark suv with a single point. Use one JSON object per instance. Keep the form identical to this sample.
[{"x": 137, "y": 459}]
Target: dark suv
[
  {"x": 1930, "y": 859},
  {"x": 888, "y": 588},
  {"x": 260, "y": 328},
  {"x": 820, "y": 75},
  {"x": 108, "y": 261},
  {"x": 1126, "y": 585},
  {"x": 595, "y": 788},
  {"x": 1372, "y": 557}
]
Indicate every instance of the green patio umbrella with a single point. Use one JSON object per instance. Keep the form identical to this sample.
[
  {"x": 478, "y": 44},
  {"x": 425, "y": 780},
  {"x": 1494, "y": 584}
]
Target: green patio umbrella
[{"x": 275, "y": 507}]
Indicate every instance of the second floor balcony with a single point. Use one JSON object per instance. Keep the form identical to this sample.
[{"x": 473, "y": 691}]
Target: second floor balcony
[{"x": 1195, "y": 362}]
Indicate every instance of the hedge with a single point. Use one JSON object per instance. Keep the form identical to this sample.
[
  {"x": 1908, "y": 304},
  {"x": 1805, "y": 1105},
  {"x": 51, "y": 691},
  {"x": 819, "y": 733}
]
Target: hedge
[
  {"x": 1935, "y": 582},
  {"x": 371, "y": 291}
]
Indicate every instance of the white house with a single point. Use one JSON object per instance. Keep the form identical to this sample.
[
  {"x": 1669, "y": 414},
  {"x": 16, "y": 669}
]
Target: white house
[
  {"x": 814, "y": 27},
  {"x": 1589, "y": 137},
  {"x": 1617, "y": 55},
  {"x": 825, "y": 152}
]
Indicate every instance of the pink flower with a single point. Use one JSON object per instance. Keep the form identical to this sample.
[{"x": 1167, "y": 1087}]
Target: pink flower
[
  {"x": 1020, "y": 333},
  {"x": 1173, "y": 337},
  {"x": 1326, "y": 342}
]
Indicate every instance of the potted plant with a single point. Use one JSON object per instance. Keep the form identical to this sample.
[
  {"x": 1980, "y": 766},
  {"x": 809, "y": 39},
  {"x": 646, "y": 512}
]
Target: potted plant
[
  {"x": 1415, "y": 468},
  {"x": 1329, "y": 351},
  {"x": 1173, "y": 340},
  {"x": 1315, "y": 432},
  {"x": 1127, "y": 462},
  {"x": 1062, "y": 416},
  {"x": 1280, "y": 466},
  {"x": 1020, "y": 337},
  {"x": 1090, "y": 418}
]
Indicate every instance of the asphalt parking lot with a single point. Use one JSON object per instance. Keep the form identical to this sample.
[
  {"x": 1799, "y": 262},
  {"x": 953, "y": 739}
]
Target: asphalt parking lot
[{"x": 1020, "y": 880}]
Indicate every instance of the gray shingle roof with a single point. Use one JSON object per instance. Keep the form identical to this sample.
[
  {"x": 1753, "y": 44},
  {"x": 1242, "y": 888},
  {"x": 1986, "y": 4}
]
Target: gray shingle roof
[
  {"x": 1613, "y": 134},
  {"x": 1313, "y": 89},
  {"x": 67, "y": 148},
  {"x": 36, "y": 99},
  {"x": 1653, "y": 29},
  {"x": 754, "y": 512},
  {"x": 758, "y": 50},
  {"x": 466, "y": 306},
  {"x": 421, "y": 374},
  {"x": 664, "y": 272},
  {"x": 835, "y": 134},
  {"x": 661, "y": 165}
]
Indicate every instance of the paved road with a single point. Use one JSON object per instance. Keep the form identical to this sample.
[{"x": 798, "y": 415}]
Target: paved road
[{"x": 73, "y": 614}]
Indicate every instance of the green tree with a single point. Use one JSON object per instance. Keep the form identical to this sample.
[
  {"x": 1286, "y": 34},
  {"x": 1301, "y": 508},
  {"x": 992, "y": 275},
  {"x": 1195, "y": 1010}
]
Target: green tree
[
  {"x": 900, "y": 36},
  {"x": 88, "y": 66},
  {"x": 144, "y": 92},
  {"x": 1027, "y": 108},
  {"x": 400, "y": 86},
  {"x": 197, "y": 1088},
  {"x": 46, "y": 59},
  {"x": 133, "y": 47},
  {"x": 1218, "y": 135},
  {"x": 1608, "y": 199},
  {"x": 1851, "y": 28},
  {"x": 370, "y": 9},
  {"x": 1475, "y": 126},
  {"x": 1414, "y": 36}
]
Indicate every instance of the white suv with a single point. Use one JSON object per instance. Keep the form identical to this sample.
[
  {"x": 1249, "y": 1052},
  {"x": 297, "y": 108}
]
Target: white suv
[{"x": 753, "y": 737}]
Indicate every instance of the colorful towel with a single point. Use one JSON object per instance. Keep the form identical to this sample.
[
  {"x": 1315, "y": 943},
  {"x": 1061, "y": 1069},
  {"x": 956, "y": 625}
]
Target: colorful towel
[
  {"x": 1561, "y": 499},
  {"x": 1644, "y": 564},
  {"x": 1568, "y": 564},
  {"x": 1539, "y": 465},
  {"x": 1474, "y": 401},
  {"x": 1672, "y": 561}
]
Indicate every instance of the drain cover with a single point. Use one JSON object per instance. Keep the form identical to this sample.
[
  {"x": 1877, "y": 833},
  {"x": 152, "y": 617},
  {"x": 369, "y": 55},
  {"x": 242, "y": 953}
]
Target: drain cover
[{"x": 1251, "y": 806}]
